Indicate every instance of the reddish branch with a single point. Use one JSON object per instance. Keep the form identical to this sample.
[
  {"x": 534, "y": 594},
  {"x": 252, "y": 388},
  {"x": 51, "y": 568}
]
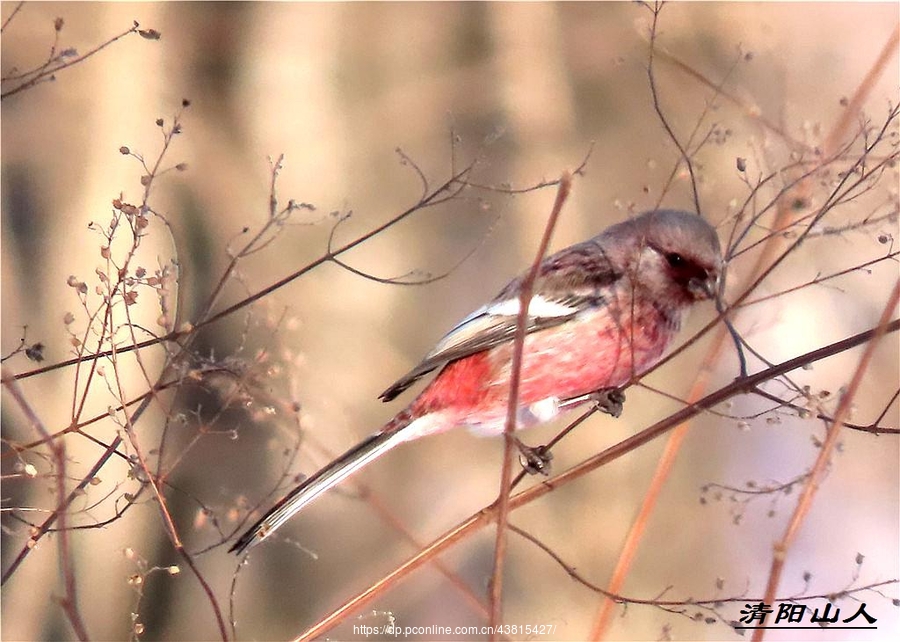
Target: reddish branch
[
  {"x": 816, "y": 475},
  {"x": 488, "y": 514},
  {"x": 502, "y": 503}
]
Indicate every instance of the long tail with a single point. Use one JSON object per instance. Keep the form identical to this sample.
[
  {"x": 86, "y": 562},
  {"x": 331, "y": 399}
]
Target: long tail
[{"x": 332, "y": 474}]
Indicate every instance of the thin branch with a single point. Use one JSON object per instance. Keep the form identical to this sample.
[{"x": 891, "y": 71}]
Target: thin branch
[
  {"x": 509, "y": 190},
  {"x": 448, "y": 187},
  {"x": 873, "y": 428},
  {"x": 657, "y": 106},
  {"x": 69, "y": 601},
  {"x": 47, "y": 71},
  {"x": 804, "y": 503},
  {"x": 854, "y": 106},
  {"x": 512, "y": 412},
  {"x": 712, "y": 601},
  {"x": 12, "y": 15},
  {"x": 488, "y": 514}
]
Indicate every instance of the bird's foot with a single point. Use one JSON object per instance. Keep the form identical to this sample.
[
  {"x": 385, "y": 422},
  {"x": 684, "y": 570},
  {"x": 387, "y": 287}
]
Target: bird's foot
[
  {"x": 610, "y": 401},
  {"x": 534, "y": 459}
]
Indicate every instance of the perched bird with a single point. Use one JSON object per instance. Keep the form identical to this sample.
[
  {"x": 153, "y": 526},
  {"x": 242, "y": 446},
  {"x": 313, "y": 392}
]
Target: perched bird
[{"x": 602, "y": 313}]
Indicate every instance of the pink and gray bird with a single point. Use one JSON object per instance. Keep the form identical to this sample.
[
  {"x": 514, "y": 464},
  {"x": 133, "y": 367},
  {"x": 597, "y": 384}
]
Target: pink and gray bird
[{"x": 602, "y": 313}]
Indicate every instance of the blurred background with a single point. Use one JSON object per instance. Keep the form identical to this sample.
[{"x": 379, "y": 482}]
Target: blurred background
[{"x": 527, "y": 91}]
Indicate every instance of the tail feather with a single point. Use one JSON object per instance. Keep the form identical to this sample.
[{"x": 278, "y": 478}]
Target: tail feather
[{"x": 332, "y": 474}]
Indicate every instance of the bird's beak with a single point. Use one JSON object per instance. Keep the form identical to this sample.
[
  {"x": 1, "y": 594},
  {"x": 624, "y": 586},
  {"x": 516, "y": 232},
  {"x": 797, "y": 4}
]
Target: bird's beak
[{"x": 705, "y": 287}]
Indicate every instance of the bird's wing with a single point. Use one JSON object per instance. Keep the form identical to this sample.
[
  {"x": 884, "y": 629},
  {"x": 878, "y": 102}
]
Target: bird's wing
[{"x": 561, "y": 290}]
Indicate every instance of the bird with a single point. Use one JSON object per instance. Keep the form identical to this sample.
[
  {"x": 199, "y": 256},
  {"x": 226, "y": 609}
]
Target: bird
[{"x": 602, "y": 313}]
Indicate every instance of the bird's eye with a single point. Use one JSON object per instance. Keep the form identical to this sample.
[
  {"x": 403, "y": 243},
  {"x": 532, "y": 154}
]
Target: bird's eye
[{"x": 675, "y": 259}]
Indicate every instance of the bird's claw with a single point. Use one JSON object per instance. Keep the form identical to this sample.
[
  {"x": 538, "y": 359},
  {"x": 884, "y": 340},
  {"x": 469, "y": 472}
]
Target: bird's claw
[
  {"x": 535, "y": 459},
  {"x": 610, "y": 401}
]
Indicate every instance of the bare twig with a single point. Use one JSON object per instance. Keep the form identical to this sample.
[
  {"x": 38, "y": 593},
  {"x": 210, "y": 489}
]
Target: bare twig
[
  {"x": 69, "y": 601},
  {"x": 12, "y": 15},
  {"x": 816, "y": 475},
  {"x": 57, "y": 62},
  {"x": 667, "y": 605},
  {"x": 488, "y": 514},
  {"x": 657, "y": 106},
  {"x": 449, "y": 189},
  {"x": 502, "y": 503}
]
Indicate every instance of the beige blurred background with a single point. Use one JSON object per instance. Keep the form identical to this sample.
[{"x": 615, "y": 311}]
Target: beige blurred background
[{"x": 528, "y": 88}]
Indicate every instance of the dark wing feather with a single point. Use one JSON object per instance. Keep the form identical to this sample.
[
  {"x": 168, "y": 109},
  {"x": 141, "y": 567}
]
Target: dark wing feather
[{"x": 568, "y": 282}]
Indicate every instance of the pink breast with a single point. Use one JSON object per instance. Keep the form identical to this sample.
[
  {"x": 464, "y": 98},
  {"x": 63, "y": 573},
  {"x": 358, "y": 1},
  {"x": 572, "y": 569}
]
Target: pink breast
[{"x": 569, "y": 360}]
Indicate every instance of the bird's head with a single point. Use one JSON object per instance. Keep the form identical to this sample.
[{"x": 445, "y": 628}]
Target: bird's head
[{"x": 674, "y": 255}]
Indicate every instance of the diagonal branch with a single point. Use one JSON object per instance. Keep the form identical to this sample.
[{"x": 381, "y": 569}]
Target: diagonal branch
[
  {"x": 488, "y": 514},
  {"x": 817, "y": 474}
]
